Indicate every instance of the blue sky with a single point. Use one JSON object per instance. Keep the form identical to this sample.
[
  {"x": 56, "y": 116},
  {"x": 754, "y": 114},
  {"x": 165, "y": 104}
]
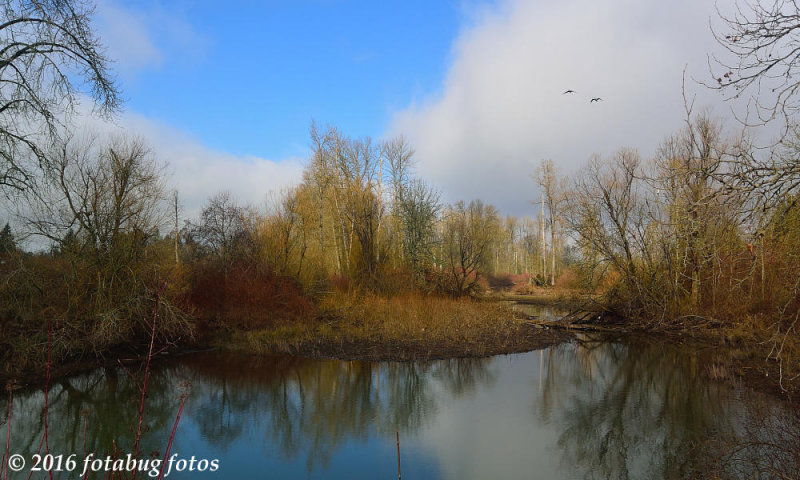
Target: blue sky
[
  {"x": 257, "y": 73},
  {"x": 225, "y": 92}
]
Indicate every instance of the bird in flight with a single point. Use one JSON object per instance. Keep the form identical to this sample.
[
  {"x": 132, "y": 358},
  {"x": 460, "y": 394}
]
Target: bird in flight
[
  {"x": 596, "y": 99},
  {"x": 568, "y": 91}
]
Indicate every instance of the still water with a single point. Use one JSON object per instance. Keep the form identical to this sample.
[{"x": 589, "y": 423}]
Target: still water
[{"x": 593, "y": 409}]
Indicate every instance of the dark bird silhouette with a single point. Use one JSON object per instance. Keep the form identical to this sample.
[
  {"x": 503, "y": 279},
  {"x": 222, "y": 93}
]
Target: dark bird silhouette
[
  {"x": 568, "y": 91},
  {"x": 596, "y": 99}
]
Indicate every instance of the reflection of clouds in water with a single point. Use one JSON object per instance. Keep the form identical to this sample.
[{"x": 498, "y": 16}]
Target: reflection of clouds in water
[
  {"x": 588, "y": 410},
  {"x": 491, "y": 433}
]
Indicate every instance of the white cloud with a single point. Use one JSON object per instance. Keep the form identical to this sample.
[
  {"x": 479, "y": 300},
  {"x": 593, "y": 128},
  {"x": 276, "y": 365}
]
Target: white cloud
[
  {"x": 198, "y": 172},
  {"x": 127, "y": 38},
  {"x": 145, "y": 37},
  {"x": 501, "y": 109}
]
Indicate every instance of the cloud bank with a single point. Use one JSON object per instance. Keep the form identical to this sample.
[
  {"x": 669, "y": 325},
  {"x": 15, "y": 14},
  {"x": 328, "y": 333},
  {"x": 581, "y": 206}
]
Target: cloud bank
[{"x": 501, "y": 109}]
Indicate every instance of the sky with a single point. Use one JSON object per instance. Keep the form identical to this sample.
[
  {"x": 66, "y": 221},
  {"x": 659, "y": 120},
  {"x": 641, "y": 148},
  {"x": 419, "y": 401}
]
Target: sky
[{"x": 226, "y": 94}]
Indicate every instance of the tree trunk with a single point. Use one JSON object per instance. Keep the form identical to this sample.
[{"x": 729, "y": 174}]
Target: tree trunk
[{"x": 544, "y": 246}]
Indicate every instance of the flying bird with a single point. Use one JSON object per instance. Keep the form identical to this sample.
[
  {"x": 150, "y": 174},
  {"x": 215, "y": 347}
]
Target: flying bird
[
  {"x": 568, "y": 91},
  {"x": 596, "y": 99}
]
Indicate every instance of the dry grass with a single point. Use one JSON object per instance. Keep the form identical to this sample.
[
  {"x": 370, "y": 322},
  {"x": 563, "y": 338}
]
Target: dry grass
[{"x": 408, "y": 326}]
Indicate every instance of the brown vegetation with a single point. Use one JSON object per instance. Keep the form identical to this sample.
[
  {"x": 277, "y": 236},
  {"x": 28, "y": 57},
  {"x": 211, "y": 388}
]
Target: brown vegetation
[
  {"x": 403, "y": 327},
  {"x": 245, "y": 297}
]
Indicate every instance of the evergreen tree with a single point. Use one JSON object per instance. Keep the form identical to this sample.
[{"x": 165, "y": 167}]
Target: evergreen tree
[{"x": 7, "y": 244}]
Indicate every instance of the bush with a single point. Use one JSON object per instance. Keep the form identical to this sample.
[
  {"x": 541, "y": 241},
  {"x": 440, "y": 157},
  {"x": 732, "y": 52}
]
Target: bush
[
  {"x": 246, "y": 297},
  {"x": 500, "y": 281}
]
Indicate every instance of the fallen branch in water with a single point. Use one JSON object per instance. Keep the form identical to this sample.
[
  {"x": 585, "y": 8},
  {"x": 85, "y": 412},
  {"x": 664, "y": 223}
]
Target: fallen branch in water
[{"x": 574, "y": 326}]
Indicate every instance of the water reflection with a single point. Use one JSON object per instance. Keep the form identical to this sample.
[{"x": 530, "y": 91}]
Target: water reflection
[
  {"x": 631, "y": 411},
  {"x": 311, "y": 408},
  {"x": 546, "y": 313},
  {"x": 592, "y": 409}
]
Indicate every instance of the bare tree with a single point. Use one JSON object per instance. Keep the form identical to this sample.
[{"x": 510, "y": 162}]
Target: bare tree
[
  {"x": 102, "y": 204},
  {"x": 762, "y": 43},
  {"x": 222, "y": 231},
  {"x": 764, "y": 181},
  {"x": 607, "y": 214},
  {"x": 419, "y": 209},
  {"x": 286, "y": 242},
  {"x": 101, "y": 191},
  {"x": 552, "y": 198},
  {"x": 401, "y": 163},
  {"x": 469, "y": 231},
  {"x": 358, "y": 171},
  {"x": 687, "y": 168},
  {"x": 48, "y": 52}
]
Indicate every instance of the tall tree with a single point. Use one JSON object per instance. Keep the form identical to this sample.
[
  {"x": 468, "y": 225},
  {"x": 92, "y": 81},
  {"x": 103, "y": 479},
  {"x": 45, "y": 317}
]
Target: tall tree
[
  {"x": 547, "y": 178},
  {"x": 687, "y": 167},
  {"x": 222, "y": 230},
  {"x": 607, "y": 214},
  {"x": 103, "y": 203}
]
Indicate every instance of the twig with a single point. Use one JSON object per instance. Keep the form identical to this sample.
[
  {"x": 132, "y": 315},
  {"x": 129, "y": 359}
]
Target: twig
[
  {"x": 157, "y": 296},
  {"x": 174, "y": 429}
]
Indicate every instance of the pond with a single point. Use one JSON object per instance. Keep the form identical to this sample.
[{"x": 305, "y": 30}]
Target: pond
[{"x": 586, "y": 409}]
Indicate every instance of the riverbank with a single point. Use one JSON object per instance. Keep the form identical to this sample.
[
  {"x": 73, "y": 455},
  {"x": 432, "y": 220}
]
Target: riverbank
[
  {"x": 403, "y": 328},
  {"x": 414, "y": 326}
]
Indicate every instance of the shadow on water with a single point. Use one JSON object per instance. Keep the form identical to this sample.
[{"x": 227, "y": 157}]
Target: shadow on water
[{"x": 591, "y": 409}]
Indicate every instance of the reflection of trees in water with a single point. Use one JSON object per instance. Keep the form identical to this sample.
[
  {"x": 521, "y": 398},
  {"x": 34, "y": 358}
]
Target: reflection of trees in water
[
  {"x": 765, "y": 445},
  {"x": 105, "y": 403},
  {"x": 460, "y": 376},
  {"x": 633, "y": 410},
  {"x": 312, "y": 406},
  {"x": 299, "y": 406}
]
